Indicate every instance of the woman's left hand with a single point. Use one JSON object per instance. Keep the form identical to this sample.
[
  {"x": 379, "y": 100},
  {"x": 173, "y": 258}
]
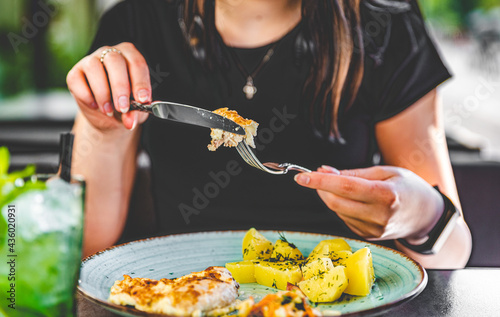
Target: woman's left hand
[{"x": 378, "y": 203}]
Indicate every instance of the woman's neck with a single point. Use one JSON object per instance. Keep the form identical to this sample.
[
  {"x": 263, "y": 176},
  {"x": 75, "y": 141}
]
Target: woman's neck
[{"x": 254, "y": 23}]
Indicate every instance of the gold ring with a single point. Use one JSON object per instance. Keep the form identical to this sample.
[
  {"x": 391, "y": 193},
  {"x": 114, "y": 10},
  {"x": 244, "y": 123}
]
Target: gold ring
[{"x": 106, "y": 51}]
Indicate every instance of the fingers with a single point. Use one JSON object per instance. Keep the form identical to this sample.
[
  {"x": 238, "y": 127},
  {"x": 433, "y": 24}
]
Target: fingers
[
  {"x": 118, "y": 78},
  {"x": 138, "y": 72},
  {"x": 130, "y": 119},
  {"x": 372, "y": 173},
  {"x": 344, "y": 207},
  {"x": 366, "y": 220},
  {"x": 108, "y": 85},
  {"x": 354, "y": 188},
  {"x": 78, "y": 86},
  {"x": 97, "y": 80}
]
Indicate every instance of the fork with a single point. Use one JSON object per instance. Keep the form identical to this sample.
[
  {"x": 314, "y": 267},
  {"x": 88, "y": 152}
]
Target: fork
[{"x": 273, "y": 168}]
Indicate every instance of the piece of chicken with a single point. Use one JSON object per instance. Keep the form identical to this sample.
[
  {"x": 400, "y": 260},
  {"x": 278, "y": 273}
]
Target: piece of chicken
[
  {"x": 221, "y": 137},
  {"x": 191, "y": 295}
]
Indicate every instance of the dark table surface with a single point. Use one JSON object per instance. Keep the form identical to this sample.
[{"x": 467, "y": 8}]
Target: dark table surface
[{"x": 454, "y": 293}]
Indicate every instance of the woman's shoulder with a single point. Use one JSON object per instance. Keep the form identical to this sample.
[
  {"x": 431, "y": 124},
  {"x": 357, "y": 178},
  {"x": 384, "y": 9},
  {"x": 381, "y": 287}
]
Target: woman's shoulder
[
  {"x": 391, "y": 29},
  {"x": 402, "y": 63}
]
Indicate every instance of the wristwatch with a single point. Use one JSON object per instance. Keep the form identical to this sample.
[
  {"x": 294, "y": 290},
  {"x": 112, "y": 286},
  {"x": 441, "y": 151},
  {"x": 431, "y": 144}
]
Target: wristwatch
[{"x": 440, "y": 232}]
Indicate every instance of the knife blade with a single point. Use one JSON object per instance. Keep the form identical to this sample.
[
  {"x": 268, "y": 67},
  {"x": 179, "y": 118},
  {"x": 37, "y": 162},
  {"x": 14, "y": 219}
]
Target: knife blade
[{"x": 188, "y": 114}]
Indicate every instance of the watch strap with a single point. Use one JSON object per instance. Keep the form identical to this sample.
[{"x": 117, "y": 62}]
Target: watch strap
[{"x": 440, "y": 232}]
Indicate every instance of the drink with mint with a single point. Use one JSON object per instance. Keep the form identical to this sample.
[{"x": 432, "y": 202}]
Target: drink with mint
[{"x": 41, "y": 219}]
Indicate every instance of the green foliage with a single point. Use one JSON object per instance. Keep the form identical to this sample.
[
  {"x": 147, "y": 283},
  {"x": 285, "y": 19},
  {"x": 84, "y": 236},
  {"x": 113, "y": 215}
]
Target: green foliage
[
  {"x": 59, "y": 44},
  {"x": 452, "y": 14},
  {"x": 17, "y": 182}
]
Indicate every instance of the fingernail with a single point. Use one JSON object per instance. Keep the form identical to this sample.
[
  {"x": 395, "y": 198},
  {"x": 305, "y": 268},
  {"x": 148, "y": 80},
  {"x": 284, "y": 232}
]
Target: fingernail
[
  {"x": 108, "y": 109},
  {"x": 123, "y": 104},
  {"x": 134, "y": 123},
  {"x": 143, "y": 95},
  {"x": 331, "y": 169},
  {"x": 302, "y": 178},
  {"x": 93, "y": 105}
]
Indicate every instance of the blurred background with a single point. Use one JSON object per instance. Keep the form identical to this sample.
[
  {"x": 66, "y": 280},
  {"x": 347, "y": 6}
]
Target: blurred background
[{"x": 40, "y": 40}]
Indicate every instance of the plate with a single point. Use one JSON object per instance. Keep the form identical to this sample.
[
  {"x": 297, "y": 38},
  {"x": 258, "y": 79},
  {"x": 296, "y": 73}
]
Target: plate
[{"x": 398, "y": 278}]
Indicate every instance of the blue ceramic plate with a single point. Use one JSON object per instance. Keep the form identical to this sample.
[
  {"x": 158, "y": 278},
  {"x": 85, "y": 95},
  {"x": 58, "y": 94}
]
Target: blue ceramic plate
[{"x": 398, "y": 278}]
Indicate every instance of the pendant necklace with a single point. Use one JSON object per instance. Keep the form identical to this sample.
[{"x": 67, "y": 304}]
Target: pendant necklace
[{"x": 249, "y": 89}]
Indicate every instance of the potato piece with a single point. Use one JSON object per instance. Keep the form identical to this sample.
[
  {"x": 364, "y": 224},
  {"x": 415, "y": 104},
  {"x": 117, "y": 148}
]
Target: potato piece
[
  {"x": 359, "y": 271},
  {"x": 325, "y": 247},
  {"x": 325, "y": 287},
  {"x": 340, "y": 257},
  {"x": 243, "y": 271},
  {"x": 316, "y": 266},
  {"x": 285, "y": 251},
  {"x": 256, "y": 246},
  {"x": 277, "y": 274}
]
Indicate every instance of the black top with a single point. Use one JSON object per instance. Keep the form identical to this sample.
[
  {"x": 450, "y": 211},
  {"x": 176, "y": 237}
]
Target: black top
[{"x": 195, "y": 189}]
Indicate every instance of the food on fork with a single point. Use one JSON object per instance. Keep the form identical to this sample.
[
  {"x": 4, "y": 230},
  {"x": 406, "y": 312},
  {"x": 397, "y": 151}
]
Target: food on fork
[
  {"x": 195, "y": 294},
  {"x": 221, "y": 137}
]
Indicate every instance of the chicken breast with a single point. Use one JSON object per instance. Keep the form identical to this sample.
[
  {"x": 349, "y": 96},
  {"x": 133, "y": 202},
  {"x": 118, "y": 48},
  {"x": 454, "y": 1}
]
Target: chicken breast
[
  {"x": 191, "y": 295},
  {"x": 221, "y": 137}
]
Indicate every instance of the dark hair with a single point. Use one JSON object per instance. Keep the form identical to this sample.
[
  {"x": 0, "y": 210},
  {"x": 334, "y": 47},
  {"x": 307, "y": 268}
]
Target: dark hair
[{"x": 331, "y": 33}]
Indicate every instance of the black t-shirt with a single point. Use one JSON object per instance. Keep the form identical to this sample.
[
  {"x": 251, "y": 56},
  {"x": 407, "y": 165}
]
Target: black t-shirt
[{"x": 195, "y": 189}]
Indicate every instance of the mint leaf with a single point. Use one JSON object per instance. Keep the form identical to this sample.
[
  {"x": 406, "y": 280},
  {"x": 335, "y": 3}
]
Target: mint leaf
[
  {"x": 26, "y": 172},
  {"x": 4, "y": 160},
  {"x": 9, "y": 189}
]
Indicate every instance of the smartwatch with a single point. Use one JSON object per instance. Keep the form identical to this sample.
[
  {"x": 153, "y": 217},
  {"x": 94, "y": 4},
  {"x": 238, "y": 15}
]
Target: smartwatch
[{"x": 441, "y": 230}]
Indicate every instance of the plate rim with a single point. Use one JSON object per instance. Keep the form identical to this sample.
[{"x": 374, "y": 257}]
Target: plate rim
[{"x": 114, "y": 307}]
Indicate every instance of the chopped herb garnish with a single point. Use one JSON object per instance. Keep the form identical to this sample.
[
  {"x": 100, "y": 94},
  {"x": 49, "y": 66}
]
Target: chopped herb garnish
[{"x": 286, "y": 299}]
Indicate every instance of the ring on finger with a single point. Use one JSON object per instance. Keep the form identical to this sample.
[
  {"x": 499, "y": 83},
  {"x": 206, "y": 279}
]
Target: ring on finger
[{"x": 106, "y": 51}]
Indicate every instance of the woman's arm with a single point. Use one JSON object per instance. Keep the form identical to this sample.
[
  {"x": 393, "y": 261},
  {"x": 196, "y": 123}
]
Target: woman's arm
[
  {"x": 106, "y": 137},
  {"x": 107, "y": 161},
  {"x": 415, "y": 140},
  {"x": 398, "y": 201}
]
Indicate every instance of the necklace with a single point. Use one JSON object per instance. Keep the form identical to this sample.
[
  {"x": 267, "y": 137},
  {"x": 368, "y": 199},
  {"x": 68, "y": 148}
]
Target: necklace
[{"x": 249, "y": 89}]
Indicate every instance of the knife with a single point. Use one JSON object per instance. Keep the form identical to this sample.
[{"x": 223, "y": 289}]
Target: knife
[{"x": 188, "y": 114}]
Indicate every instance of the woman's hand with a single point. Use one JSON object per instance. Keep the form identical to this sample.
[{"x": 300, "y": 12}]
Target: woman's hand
[
  {"x": 101, "y": 88},
  {"x": 381, "y": 202}
]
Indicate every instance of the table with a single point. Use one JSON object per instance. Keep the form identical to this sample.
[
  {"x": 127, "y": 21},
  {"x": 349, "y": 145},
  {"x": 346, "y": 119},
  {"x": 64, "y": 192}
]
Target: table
[{"x": 454, "y": 293}]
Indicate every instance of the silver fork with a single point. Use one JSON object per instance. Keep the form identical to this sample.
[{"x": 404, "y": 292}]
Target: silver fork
[{"x": 273, "y": 168}]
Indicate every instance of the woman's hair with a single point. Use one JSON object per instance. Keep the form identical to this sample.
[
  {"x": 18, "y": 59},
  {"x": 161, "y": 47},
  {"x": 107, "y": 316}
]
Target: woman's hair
[{"x": 331, "y": 36}]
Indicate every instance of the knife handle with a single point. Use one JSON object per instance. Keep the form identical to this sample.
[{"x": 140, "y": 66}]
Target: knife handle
[{"x": 134, "y": 105}]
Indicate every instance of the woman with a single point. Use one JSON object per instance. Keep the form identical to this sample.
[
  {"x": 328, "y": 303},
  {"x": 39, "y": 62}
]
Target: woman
[{"x": 331, "y": 83}]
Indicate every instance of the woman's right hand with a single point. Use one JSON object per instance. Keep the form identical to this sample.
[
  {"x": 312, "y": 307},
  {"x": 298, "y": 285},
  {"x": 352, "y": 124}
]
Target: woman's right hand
[{"x": 102, "y": 90}]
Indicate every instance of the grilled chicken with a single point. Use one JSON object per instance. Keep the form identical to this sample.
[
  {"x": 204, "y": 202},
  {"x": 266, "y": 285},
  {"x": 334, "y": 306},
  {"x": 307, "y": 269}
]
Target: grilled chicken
[
  {"x": 194, "y": 294},
  {"x": 221, "y": 137}
]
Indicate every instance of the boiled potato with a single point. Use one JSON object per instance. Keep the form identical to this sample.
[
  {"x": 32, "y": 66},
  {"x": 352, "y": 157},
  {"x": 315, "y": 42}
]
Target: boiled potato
[
  {"x": 284, "y": 251},
  {"x": 243, "y": 271},
  {"x": 277, "y": 274},
  {"x": 316, "y": 266},
  {"x": 256, "y": 246},
  {"x": 340, "y": 257},
  {"x": 359, "y": 271},
  {"x": 325, "y": 287},
  {"x": 326, "y": 247}
]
